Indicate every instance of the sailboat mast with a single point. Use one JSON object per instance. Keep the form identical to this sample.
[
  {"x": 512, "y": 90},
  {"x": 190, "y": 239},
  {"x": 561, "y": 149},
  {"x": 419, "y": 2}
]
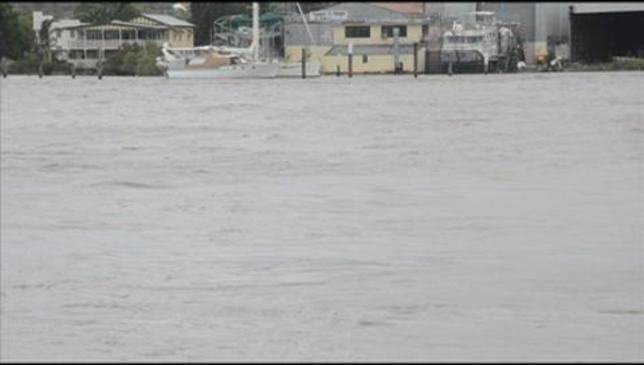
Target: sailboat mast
[
  {"x": 256, "y": 30},
  {"x": 306, "y": 24}
]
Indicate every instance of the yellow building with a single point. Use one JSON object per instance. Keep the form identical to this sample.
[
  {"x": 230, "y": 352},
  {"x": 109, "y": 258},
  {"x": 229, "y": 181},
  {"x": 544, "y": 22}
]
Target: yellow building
[
  {"x": 373, "y": 48},
  {"x": 368, "y": 30}
]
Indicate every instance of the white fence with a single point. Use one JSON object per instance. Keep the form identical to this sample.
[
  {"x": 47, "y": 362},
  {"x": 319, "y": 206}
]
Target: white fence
[{"x": 111, "y": 44}]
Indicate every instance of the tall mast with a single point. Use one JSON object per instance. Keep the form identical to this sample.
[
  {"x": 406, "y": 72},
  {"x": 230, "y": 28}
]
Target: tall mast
[
  {"x": 256, "y": 30},
  {"x": 306, "y": 24}
]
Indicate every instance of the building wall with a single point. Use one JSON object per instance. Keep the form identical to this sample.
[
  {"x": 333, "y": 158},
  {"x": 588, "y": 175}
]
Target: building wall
[
  {"x": 181, "y": 37},
  {"x": 376, "y": 64},
  {"x": 177, "y": 36},
  {"x": 295, "y": 34},
  {"x": 294, "y": 53},
  {"x": 551, "y": 20},
  {"x": 607, "y": 7},
  {"x": 61, "y": 39},
  {"x": 327, "y": 35},
  {"x": 414, "y": 34}
]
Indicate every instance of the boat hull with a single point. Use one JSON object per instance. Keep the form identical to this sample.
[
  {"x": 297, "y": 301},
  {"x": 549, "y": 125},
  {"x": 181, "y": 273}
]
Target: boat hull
[
  {"x": 294, "y": 69},
  {"x": 253, "y": 71}
]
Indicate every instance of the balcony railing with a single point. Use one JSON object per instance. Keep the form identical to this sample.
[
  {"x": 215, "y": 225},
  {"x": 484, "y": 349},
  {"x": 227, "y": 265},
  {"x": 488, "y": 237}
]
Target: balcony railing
[{"x": 112, "y": 43}]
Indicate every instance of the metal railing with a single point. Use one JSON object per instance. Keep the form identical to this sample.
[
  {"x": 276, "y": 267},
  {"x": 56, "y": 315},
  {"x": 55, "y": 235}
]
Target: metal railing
[{"x": 112, "y": 43}]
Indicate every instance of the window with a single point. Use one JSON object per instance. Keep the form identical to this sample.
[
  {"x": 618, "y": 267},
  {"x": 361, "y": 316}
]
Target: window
[
  {"x": 72, "y": 33},
  {"x": 127, "y": 34},
  {"x": 111, "y": 34},
  {"x": 94, "y": 34},
  {"x": 357, "y": 32},
  {"x": 365, "y": 58},
  {"x": 387, "y": 31}
]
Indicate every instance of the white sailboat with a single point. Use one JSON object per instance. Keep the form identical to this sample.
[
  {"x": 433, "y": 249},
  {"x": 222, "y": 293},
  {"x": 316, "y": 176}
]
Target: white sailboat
[{"x": 218, "y": 62}]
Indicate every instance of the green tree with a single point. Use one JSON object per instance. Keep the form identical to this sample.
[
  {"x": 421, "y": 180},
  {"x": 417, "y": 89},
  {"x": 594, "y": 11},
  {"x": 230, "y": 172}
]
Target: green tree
[
  {"x": 44, "y": 49},
  {"x": 203, "y": 14},
  {"x": 16, "y": 36},
  {"x": 103, "y": 13},
  {"x": 133, "y": 60}
]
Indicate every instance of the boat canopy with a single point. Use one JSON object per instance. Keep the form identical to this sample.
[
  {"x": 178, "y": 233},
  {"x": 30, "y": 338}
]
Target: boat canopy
[{"x": 242, "y": 20}]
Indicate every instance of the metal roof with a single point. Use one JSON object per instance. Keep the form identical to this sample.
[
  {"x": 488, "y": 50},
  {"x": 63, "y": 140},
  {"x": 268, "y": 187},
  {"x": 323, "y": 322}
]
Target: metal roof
[
  {"x": 608, "y": 7},
  {"x": 168, "y": 20},
  {"x": 412, "y": 8},
  {"x": 137, "y": 25},
  {"x": 380, "y": 49},
  {"x": 66, "y": 23},
  {"x": 364, "y": 12}
]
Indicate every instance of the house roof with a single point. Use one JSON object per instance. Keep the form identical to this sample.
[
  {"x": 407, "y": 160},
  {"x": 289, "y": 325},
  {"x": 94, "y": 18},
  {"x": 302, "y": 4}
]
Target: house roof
[
  {"x": 66, "y": 23},
  {"x": 365, "y": 12},
  {"x": 412, "y": 8},
  {"x": 378, "y": 49},
  {"x": 138, "y": 25},
  {"x": 168, "y": 20}
]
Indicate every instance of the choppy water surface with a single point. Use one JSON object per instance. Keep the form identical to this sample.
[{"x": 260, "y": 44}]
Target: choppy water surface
[{"x": 474, "y": 218}]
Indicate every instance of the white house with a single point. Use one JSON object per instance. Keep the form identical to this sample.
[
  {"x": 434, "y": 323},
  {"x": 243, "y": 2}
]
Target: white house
[{"x": 82, "y": 43}]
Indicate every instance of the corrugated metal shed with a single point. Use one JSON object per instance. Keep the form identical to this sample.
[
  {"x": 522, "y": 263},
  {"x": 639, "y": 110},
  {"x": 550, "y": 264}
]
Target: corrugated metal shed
[{"x": 608, "y": 7}]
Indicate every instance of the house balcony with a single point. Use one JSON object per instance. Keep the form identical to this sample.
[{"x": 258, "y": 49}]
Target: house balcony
[{"x": 112, "y": 43}]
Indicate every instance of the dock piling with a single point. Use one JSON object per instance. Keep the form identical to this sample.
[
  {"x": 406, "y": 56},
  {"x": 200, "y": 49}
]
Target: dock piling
[
  {"x": 415, "y": 60},
  {"x": 303, "y": 63},
  {"x": 350, "y": 54},
  {"x": 4, "y": 66}
]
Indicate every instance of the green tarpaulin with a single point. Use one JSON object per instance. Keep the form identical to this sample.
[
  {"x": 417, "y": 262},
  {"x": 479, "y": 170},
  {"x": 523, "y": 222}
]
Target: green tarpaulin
[{"x": 241, "y": 20}]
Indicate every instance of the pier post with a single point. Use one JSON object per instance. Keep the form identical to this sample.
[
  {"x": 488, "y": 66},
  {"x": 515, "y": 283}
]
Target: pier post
[
  {"x": 449, "y": 68},
  {"x": 99, "y": 64},
  {"x": 4, "y": 67},
  {"x": 396, "y": 34},
  {"x": 73, "y": 70},
  {"x": 350, "y": 54},
  {"x": 337, "y": 71},
  {"x": 40, "y": 69},
  {"x": 303, "y": 63},
  {"x": 415, "y": 60}
]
